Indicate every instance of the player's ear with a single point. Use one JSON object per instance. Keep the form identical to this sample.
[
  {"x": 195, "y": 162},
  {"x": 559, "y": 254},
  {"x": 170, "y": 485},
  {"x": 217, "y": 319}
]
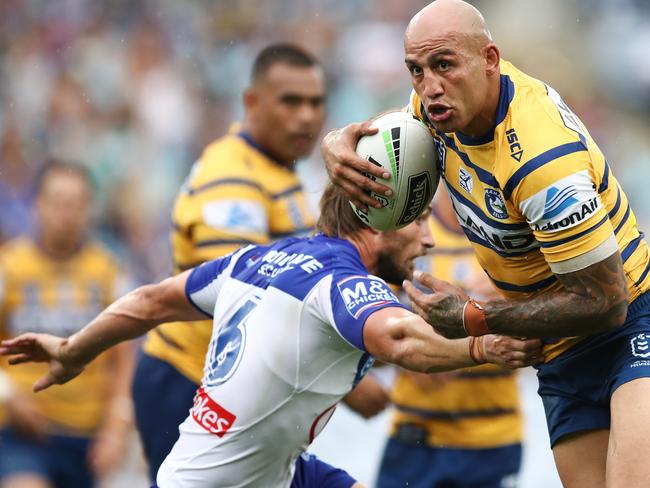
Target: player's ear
[
  {"x": 249, "y": 98},
  {"x": 492, "y": 58}
]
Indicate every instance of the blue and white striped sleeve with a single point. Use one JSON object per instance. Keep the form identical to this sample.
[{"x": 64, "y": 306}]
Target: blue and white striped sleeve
[{"x": 203, "y": 284}]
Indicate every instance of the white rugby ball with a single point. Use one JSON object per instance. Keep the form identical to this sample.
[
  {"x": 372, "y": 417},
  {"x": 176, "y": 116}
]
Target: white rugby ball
[{"x": 405, "y": 148}]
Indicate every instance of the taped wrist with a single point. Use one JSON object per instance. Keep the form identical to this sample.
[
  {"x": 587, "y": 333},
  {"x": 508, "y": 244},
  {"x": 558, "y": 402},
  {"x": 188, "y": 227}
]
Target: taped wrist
[
  {"x": 477, "y": 350},
  {"x": 474, "y": 321}
]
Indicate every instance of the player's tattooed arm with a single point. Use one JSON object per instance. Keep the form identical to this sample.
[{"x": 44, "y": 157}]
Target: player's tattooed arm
[{"x": 592, "y": 300}]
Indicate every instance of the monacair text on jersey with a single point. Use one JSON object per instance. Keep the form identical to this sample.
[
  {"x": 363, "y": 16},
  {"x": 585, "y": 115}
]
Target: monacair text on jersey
[
  {"x": 537, "y": 191},
  {"x": 236, "y": 194}
]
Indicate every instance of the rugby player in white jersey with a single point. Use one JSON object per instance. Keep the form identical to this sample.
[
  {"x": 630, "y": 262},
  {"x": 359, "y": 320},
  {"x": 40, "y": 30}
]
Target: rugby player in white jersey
[{"x": 297, "y": 325}]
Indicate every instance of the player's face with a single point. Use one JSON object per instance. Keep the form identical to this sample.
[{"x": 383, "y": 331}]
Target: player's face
[
  {"x": 289, "y": 109},
  {"x": 400, "y": 248},
  {"x": 448, "y": 73},
  {"x": 63, "y": 208}
]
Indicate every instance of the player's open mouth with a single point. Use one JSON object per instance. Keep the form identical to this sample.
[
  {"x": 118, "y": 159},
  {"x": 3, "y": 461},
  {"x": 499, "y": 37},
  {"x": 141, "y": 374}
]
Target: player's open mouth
[{"x": 438, "y": 113}]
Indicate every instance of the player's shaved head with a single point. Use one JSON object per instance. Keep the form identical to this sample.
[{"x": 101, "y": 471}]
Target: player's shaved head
[
  {"x": 454, "y": 66},
  {"x": 445, "y": 18}
]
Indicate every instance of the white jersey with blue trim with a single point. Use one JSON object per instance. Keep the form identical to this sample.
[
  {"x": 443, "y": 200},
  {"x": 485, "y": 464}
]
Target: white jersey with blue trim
[{"x": 287, "y": 344}]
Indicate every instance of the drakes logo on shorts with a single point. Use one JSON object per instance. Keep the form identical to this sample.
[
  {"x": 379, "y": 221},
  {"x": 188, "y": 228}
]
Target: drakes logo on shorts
[
  {"x": 210, "y": 415},
  {"x": 641, "y": 346}
]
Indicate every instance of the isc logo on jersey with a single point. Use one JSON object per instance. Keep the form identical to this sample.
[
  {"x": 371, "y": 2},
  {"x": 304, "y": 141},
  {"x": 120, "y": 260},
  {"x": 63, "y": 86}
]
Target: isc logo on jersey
[
  {"x": 361, "y": 292},
  {"x": 567, "y": 203},
  {"x": 210, "y": 415}
]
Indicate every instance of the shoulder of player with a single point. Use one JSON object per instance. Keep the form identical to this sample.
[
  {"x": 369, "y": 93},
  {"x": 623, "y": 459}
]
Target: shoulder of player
[
  {"x": 15, "y": 251},
  {"x": 532, "y": 136},
  {"x": 98, "y": 254},
  {"x": 337, "y": 256},
  {"x": 231, "y": 159}
]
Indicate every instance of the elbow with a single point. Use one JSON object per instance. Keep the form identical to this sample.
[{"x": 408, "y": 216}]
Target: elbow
[
  {"x": 615, "y": 315},
  {"x": 614, "y": 312},
  {"x": 401, "y": 353},
  {"x": 391, "y": 347}
]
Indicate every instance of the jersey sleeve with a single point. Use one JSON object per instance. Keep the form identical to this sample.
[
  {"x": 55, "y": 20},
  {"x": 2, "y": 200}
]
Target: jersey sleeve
[
  {"x": 226, "y": 204},
  {"x": 203, "y": 284},
  {"x": 347, "y": 300},
  {"x": 563, "y": 207}
]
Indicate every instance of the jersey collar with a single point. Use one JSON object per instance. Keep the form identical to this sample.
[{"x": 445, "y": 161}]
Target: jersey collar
[{"x": 248, "y": 139}]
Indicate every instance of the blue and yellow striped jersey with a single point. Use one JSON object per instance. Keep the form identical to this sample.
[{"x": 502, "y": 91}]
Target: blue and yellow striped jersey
[
  {"x": 476, "y": 408},
  {"x": 236, "y": 194},
  {"x": 537, "y": 192},
  {"x": 40, "y": 294}
]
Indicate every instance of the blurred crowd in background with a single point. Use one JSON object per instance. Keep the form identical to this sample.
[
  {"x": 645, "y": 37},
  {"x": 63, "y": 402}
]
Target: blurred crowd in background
[{"x": 135, "y": 89}]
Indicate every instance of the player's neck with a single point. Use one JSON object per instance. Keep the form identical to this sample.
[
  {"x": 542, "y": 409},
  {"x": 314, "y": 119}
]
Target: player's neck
[
  {"x": 57, "y": 249},
  {"x": 364, "y": 243},
  {"x": 485, "y": 120},
  {"x": 255, "y": 137}
]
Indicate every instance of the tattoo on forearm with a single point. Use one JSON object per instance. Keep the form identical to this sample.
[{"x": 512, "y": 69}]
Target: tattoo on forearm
[{"x": 592, "y": 300}]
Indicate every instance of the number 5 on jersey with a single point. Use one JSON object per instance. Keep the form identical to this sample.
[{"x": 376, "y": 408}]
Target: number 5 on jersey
[{"x": 226, "y": 352}]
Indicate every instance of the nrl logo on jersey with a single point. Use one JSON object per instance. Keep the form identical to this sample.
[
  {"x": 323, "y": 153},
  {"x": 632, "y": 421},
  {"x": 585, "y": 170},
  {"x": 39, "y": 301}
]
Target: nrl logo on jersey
[
  {"x": 465, "y": 180},
  {"x": 495, "y": 204},
  {"x": 641, "y": 346}
]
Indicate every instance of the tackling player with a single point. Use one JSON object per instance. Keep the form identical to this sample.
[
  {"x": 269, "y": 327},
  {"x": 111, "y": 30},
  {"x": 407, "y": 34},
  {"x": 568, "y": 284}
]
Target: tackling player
[
  {"x": 296, "y": 325},
  {"x": 242, "y": 190},
  {"x": 551, "y": 227},
  {"x": 54, "y": 283}
]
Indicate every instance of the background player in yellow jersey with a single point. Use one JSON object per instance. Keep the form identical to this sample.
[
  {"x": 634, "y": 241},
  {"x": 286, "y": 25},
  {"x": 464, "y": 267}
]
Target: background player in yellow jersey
[
  {"x": 460, "y": 429},
  {"x": 552, "y": 228},
  {"x": 242, "y": 190},
  {"x": 55, "y": 282}
]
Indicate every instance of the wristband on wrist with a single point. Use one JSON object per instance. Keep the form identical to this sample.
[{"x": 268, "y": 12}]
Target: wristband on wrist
[
  {"x": 477, "y": 350},
  {"x": 474, "y": 321}
]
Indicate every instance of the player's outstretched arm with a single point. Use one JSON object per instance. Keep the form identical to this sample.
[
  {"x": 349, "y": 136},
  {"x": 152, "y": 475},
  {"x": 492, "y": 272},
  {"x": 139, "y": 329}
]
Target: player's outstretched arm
[
  {"x": 397, "y": 336},
  {"x": 345, "y": 167},
  {"x": 592, "y": 300},
  {"x": 131, "y": 316}
]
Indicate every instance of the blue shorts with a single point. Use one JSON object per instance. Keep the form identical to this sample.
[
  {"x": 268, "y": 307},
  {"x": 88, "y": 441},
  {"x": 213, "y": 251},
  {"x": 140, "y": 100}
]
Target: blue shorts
[
  {"x": 413, "y": 465},
  {"x": 576, "y": 387},
  {"x": 162, "y": 398},
  {"x": 311, "y": 472},
  {"x": 63, "y": 461}
]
